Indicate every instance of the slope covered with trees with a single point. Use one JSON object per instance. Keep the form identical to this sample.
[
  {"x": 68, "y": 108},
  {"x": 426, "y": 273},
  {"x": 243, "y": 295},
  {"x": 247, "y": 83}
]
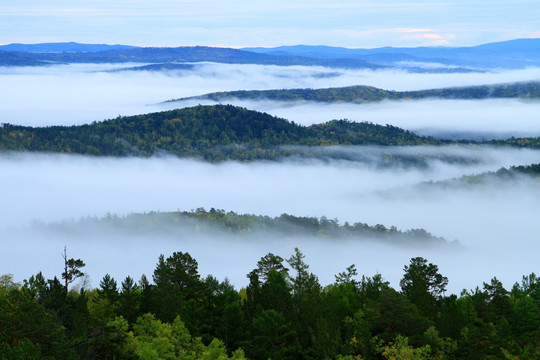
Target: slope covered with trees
[
  {"x": 363, "y": 94},
  {"x": 215, "y": 133},
  {"x": 503, "y": 176},
  {"x": 210, "y": 132},
  {"x": 283, "y": 313}
]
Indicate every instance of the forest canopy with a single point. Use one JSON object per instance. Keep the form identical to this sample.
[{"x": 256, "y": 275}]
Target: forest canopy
[
  {"x": 283, "y": 313},
  {"x": 366, "y": 94},
  {"x": 213, "y": 133}
]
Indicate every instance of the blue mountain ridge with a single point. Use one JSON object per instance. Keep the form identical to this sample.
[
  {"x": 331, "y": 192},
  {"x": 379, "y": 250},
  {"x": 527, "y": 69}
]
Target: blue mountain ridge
[
  {"x": 506, "y": 54},
  {"x": 512, "y": 54}
]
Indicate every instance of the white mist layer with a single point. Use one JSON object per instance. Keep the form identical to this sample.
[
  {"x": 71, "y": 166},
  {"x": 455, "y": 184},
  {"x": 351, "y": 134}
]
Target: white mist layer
[
  {"x": 496, "y": 226},
  {"x": 83, "y": 93}
]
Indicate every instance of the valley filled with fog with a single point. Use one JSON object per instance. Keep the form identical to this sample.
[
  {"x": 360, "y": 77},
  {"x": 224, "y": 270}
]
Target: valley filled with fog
[{"x": 495, "y": 224}]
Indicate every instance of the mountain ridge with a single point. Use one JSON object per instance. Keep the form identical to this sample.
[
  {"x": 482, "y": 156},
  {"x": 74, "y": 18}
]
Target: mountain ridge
[
  {"x": 365, "y": 93},
  {"x": 511, "y": 53},
  {"x": 216, "y": 133},
  {"x": 517, "y": 53},
  {"x": 212, "y": 133}
]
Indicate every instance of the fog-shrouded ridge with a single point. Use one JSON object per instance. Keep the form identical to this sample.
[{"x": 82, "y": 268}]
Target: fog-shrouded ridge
[
  {"x": 79, "y": 94},
  {"x": 448, "y": 119},
  {"x": 494, "y": 225}
]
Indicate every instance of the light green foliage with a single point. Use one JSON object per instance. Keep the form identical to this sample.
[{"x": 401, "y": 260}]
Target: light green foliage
[
  {"x": 7, "y": 284},
  {"x": 401, "y": 350},
  {"x": 441, "y": 348},
  {"x": 214, "y": 351},
  {"x": 152, "y": 339}
]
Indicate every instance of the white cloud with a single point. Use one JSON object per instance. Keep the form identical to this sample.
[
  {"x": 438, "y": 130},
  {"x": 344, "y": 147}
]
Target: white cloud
[
  {"x": 78, "y": 94},
  {"x": 493, "y": 224},
  {"x": 54, "y": 188}
]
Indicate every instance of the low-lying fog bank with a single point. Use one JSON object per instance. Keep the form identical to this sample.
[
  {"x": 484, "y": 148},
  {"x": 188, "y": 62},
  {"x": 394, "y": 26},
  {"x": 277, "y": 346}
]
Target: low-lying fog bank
[
  {"x": 83, "y": 93},
  {"x": 497, "y": 227}
]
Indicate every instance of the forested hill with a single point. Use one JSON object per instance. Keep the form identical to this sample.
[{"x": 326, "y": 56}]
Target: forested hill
[
  {"x": 361, "y": 94},
  {"x": 215, "y": 222},
  {"x": 498, "y": 178},
  {"x": 214, "y": 133},
  {"x": 211, "y": 132}
]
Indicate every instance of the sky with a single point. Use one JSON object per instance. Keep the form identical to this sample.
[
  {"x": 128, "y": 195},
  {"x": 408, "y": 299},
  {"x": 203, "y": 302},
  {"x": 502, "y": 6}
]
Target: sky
[{"x": 356, "y": 24}]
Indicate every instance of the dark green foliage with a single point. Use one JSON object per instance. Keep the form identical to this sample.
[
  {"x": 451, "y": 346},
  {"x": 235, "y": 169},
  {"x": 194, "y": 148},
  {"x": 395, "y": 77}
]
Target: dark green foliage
[
  {"x": 533, "y": 143},
  {"x": 272, "y": 337},
  {"x": 357, "y": 94},
  {"x": 108, "y": 288},
  {"x": 129, "y": 300},
  {"x": 284, "y": 313},
  {"x": 392, "y": 314},
  {"x": 212, "y": 133},
  {"x": 501, "y": 177},
  {"x": 423, "y": 285},
  {"x": 364, "y": 94},
  {"x": 178, "y": 288},
  {"x": 71, "y": 269},
  {"x": 28, "y": 330}
]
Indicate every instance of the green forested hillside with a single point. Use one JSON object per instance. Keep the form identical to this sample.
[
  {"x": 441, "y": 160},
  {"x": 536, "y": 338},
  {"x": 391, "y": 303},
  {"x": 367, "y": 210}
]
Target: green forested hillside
[
  {"x": 212, "y": 133},
  {"x": 209, "y": 132},
  {"x": 344, "y": 94},
  {"x": 284, "y": 313},
  {"x": 500, "y": 177},
  {"x": 360, "y": 94}
]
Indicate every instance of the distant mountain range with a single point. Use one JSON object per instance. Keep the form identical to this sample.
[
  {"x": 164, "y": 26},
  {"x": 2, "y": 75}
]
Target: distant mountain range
[
  {"x": 191, "y": 54},
  {"x": 63, "y": 47},
  {"x": 507, "y": 54},
  {"x": 511, "y": 54}
]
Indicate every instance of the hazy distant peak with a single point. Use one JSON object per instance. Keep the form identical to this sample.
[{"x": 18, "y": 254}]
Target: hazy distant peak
[
  {"x": 505, "y": 54},
  {"x": 63, "y": 47}
]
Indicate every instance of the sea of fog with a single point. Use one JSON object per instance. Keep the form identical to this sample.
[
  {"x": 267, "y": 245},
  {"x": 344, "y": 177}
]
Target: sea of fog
[
  {"x": 83, "y": 93},
  {"x": 497, "y": 226}
]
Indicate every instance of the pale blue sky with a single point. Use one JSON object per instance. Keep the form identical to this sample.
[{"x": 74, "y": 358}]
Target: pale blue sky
[{"x": 237, "y": 23}]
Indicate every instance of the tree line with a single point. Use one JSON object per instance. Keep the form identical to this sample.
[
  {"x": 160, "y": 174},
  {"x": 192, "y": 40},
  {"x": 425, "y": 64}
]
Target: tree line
[
  {"x": 366, "y": 94},
  {"x": 212, "y": 133},
  {"x": 209, "y": 132},
  {"x": 283, "y": 313},
  {"x": 217, "y": 222}
]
